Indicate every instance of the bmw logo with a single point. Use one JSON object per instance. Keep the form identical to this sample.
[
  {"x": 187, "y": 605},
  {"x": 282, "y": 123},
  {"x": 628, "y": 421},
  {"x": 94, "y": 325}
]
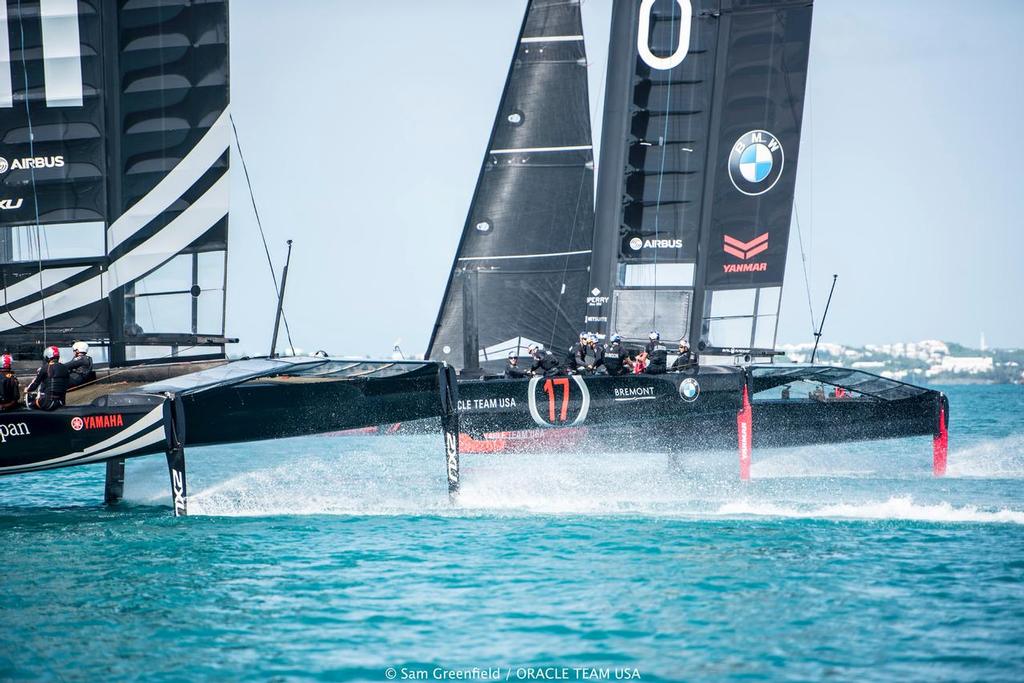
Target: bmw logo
[
  {"x": 3, "y": 165},
  {"x": 689, "y": 389},
  {"x": 755, "y": 162}
]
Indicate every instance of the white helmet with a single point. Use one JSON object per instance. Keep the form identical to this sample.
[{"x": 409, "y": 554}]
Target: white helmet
[
  {"x": 654, "y": 336},
  {"x": 80, "y": 347}
]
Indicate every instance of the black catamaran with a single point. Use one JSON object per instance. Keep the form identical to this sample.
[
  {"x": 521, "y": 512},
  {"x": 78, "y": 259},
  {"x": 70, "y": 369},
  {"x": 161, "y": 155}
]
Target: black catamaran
[
  {"x": 687, "y": 236},
  {"x": 113, "y": 230}
]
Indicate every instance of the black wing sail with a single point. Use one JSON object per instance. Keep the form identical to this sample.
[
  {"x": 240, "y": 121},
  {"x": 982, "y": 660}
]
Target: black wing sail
[
  {"x": 113, "y": 226},
  {"x": 521, "y": 271},
  {"x": 699, "y": 150}
]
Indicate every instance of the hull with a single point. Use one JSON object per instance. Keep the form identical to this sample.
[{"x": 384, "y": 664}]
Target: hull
[
  {"x": 293, "y": 400},
  {"x": 34, "y": 440},
  {"x": 651, "y": 413}
]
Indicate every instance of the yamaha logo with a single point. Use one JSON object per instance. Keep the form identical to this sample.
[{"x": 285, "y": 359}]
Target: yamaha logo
[
  {"x": 755, "y": 162},
  {"x": 77, "y": 423},
  {"x": 689, "y": 390}
]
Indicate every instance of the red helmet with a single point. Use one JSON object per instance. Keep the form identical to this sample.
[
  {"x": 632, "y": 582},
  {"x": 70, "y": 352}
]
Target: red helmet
[
  {"x": 5, "y": 361},
  {"x": 51, "y": 353}
]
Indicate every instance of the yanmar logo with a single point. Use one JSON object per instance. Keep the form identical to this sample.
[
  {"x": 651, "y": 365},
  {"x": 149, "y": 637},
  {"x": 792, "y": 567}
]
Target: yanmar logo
[
  {"x": 745, "y": 251},
  {"x": 97, "y": 422}
]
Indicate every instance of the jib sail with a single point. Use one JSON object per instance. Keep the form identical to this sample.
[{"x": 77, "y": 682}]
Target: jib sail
[
  {"x": 521, "y": 271},
  {"x": 113, "y": 176},
  {"x": 699, "y": 150}
]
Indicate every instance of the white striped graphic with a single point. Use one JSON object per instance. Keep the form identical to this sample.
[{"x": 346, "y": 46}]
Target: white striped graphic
[
  {"x": 550, "y": 39},
  {"x": 496, "y": 258},
  {"x": 62, "y": 53},
  {"x": 6, "y": 90},
  {"x": 155, "y": 251},
  {"x": 152, "y": 253},
  {"x": 197, "y": 162},
  {"x": 99, "y": 451},
  {"x": 524, "y": 150},
  {"x": 30, "y": 285}
]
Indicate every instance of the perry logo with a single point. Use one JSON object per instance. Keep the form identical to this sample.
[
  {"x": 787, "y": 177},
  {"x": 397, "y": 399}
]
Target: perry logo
[{"x": 755, "y": 162}]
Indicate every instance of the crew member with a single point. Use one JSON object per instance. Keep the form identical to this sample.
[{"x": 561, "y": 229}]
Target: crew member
[
  {"x": 512, "y": 369},
  {"x": 686, "y": 360},
  {"x": 594, "y": 354},
  {"x": 51, "y": 382},
  {"x": 657, "y": 355},
  {"x": 544, "y": 362},
  {"x": 80, "y": 367},
  {"x": 10, "y": 387},
  {"x": 576, "y": 359},
  {"x": 615, "y": 357}
]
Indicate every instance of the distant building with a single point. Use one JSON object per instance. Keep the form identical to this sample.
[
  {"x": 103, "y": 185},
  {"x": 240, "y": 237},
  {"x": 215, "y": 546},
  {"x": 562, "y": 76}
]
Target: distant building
[{"x": 971, "y": 365}]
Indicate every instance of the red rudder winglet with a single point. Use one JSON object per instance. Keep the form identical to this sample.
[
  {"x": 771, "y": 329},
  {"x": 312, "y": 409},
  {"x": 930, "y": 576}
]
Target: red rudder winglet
[
  {"x": 940, "y": 445},
  {"x": 744, "y": 428}
]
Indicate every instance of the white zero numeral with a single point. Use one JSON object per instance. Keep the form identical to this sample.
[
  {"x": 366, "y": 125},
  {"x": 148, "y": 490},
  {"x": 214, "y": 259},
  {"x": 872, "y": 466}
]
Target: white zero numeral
[{"x": 643, "y": 37}]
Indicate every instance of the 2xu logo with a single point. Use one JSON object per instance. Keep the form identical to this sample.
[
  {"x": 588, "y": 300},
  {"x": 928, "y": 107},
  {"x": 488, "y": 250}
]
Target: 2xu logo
[
  {"x": 565, "y": 400},
  {"x": 643, "y": 36},
  {"x": 451, "y": 447}
]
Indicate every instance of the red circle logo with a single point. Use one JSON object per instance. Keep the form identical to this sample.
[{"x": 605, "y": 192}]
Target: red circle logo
[{"x": 77, "y": 424}]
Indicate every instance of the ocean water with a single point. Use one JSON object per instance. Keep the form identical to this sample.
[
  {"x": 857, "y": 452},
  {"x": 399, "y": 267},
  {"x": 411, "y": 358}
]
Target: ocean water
[{"x": 341, "y": 559}]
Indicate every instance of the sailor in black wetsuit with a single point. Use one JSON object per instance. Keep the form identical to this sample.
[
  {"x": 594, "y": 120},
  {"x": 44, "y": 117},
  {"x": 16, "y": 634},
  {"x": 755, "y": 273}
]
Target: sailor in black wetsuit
[
  {"x": 80, "y": 367},
  {"x": 686, "y": 360},
  {"x": 593, "y": 355},
  {"x": 51, "y": 381},
  {"x": 615, "y": 357},
  {"x": 576, "y": 359},
  {"x": 10, "y": 387},
  {"x": 512, "y": 369},
  {"x": 657, "y": 355},
  {"x": 544, "y": 362}
]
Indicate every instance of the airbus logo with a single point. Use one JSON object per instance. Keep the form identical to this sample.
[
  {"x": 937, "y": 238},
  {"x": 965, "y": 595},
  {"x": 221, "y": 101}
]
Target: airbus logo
[
  {"x": 31, "y": 162},
  {"x": 636, "y": 244},
  {"x": 755, "y": 162}
]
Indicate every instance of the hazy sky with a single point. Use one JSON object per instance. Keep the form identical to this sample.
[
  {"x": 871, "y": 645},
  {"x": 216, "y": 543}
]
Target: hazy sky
[{"x": 364, "y": 125}]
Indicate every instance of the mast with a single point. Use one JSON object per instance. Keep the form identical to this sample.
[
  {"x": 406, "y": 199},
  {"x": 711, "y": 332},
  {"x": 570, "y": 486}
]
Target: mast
[{"x": 526, "y": 244}]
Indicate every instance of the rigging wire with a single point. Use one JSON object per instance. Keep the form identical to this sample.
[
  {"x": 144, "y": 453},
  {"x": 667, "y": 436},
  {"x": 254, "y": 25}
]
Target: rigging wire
[
  {"x": 252, "y": 197},
  {"x": 572, "y": 234},
  {"x": 32, "y": 170},
  {"x": 803, "y": 262},
  {"x": 661, "y": 177}
]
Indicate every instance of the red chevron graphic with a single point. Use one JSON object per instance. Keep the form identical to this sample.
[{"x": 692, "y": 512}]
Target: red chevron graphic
[{"x": 745, "y": 250}]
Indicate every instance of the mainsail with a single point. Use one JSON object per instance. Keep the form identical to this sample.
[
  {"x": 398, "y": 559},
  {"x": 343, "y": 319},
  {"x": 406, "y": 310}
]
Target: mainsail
[
  {"x": 700, "y": 139},
  {"x": 113, "y": 176},
  {"x": 521, "y": 271}
]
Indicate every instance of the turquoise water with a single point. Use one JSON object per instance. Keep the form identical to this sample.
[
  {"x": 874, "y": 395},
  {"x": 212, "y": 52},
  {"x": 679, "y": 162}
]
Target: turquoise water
[{"x": 339, "y": 558}]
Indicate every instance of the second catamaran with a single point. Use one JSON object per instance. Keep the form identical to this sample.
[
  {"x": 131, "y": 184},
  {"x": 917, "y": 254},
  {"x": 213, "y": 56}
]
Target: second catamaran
[{"x": 688, "y": 236}]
